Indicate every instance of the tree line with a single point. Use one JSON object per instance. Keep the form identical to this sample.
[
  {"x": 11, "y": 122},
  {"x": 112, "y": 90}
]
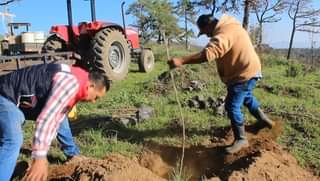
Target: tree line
[
  {"x": 160, "y": 20},
  {"x": 166, "y": 21}
]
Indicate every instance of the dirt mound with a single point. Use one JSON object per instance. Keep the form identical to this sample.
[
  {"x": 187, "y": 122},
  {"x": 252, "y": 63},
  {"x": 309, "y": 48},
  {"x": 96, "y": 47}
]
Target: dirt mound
[
  {"x": 163, "y": 84},
  {"x": 270, "y": 166},
  {"x": 264, "y": 160},
  {"x": 113, "y": 168}
]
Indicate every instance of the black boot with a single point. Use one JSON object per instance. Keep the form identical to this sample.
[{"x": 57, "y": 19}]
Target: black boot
[
  {"x": 240, "y": 139},
  {"x": 263, "y": 118}
]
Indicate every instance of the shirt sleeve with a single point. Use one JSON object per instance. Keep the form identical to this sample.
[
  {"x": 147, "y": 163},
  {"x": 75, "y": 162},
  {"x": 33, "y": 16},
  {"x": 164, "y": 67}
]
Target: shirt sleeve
[
  {"x": 64, "y": 88},
  {"x": 218, "y": 46}
]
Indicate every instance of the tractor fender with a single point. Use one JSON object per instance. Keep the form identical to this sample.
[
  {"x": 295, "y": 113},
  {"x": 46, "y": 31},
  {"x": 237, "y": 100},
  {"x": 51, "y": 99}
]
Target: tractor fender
[
  {"x": 131, "y": 34},
  {"x": 61, "y": 31}
]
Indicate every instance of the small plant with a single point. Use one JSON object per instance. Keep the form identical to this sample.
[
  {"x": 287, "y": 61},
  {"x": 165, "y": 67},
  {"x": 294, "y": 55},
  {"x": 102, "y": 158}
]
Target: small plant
[
  {"x": 176, "y": 176},
  {"x": 294, "y": 70},
  {"x": 273, "y": 60}
]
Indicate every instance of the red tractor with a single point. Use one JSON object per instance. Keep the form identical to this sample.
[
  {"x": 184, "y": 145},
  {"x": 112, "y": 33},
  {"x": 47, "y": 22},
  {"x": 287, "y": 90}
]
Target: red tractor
[{"x": 103, "y": 46}]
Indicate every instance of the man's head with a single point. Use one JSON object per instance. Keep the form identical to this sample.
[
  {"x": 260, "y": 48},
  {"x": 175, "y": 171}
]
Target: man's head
[
  {"x": 98, "y": 86},
  {"x": 206, "y": 23}
]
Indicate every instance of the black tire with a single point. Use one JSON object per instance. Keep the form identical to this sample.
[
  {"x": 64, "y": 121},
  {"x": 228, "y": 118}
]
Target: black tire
[
  {"x": 54, "y": 44},
  {"x": 111, "y": 53},
  {"x": 5, "y": 47},
  {"x": 146, "y": 61}
]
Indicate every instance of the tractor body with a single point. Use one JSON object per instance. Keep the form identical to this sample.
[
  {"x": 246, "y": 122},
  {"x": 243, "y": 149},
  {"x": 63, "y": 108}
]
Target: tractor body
[{"x": 102, "y": 46}]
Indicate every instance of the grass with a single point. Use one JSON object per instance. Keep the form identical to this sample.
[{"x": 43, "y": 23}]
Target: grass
[{"x": 298, "y": 96}]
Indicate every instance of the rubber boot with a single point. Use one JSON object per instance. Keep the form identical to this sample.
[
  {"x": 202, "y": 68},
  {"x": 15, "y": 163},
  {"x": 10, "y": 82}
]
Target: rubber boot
[
  {"x": 263, "y": 118},
  {"x": 240, "y": 140}
]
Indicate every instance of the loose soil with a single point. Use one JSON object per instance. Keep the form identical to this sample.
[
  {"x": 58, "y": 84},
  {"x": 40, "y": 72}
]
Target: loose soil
[{"x": 264, "y": 160}]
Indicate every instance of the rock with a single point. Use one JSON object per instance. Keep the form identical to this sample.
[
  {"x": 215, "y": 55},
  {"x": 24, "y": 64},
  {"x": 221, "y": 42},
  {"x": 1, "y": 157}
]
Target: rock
[
  {"x": 221, "y": 99},
  {"x": 193, "y": 103},
  {"x": 203, "y": 104},
  {"x": 189, "y": 89},
  {"x": 144, "y": 113},
  {"x": 127, "y": 120},
  {"x": 164, "y": 77},
  {"x": 124, "y": 121},
  {"x": 211, "y": 101},
  {"x": 199, "y": 98},
  {"x": 196, "y": 85},
  {"x": 219, "y": 110}
]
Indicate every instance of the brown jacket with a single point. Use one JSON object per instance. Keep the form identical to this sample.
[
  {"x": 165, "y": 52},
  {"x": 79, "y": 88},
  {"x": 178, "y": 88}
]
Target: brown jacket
[{"x": 233, "y": 51}]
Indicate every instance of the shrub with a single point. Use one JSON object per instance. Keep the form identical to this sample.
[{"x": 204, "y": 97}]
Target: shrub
[{"x": 294, "y": 70}]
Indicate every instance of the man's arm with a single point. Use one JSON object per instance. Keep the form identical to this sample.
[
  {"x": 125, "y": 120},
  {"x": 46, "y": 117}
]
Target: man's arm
[
  {"x": 218, "y": 46},
  {"x": 191, "y": 59},
  {"x": 64, "y": 88}
]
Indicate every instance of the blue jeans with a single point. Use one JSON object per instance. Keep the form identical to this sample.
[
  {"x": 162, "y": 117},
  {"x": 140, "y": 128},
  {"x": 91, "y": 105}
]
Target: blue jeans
[
  {"x": 240, "y": 94},
  {"x": 65, "y": 139},
  {"x": 11, "y": 137}
]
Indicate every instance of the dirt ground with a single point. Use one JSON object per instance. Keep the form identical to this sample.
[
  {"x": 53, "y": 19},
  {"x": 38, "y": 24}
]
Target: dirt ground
[
  {"x": 264, "y": 160},
  {"x": 112, "y": 168}
]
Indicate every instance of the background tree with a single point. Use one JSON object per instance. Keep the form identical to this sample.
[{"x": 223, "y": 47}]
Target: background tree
[
  {"x": 267, "y": 11},
  {"x": 187, "y": 11},
  {"x": 144, "y": 21},
  {"x": 155, "y": 19},
  {"x": 312, "y": 31},
  {"x": 247, "y": 5},
  {"x": 229, "y": 6},
  {"x": 303, "y": 17},
  {"x": 218, "y": 5},
  {"x": 165, "y": 24},
  {"x": 254, "y": 34}
]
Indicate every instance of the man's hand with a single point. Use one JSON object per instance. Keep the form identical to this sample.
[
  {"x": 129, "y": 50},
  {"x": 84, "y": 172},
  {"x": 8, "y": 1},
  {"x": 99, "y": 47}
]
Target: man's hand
[
  {"x": 38, "y": 170},
  {"x": 175, "y": 62}
]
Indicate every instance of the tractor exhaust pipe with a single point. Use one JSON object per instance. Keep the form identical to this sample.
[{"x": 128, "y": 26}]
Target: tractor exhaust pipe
[
  {"x": 123, "y": 19},
  {"x": 93, "y": 10},
  {"x": 70, "y": 23}
]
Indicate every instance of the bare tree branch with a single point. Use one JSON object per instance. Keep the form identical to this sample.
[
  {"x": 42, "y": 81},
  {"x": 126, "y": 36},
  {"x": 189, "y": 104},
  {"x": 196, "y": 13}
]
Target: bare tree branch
[
  {"x": 7, "y": 2},
  {"x": 267, "y": 12},
  {"x": 304, "y": 18}
]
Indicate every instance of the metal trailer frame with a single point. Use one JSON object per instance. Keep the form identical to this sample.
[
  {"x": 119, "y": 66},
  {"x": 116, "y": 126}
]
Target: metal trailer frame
[{"x": 12, "y": 63}]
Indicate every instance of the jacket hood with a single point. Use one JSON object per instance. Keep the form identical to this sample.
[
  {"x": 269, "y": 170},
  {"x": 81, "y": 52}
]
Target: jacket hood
[{"x": 227, "y": 20}]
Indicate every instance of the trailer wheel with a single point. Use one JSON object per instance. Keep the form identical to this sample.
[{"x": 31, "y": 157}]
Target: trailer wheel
[
  {"x": 146, "y": 62},
  {"x": 53, "y": 44},
  {"x": 5, "y": 47},
  {"x": 111, "y": 53}
]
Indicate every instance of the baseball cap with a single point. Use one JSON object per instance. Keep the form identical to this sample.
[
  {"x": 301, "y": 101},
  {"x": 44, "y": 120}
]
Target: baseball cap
[{"x": 202, "y": 21}]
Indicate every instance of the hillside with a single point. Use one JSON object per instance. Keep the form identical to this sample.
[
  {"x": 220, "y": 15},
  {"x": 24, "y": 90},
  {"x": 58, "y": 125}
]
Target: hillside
[{"x": 150, "y": 149}]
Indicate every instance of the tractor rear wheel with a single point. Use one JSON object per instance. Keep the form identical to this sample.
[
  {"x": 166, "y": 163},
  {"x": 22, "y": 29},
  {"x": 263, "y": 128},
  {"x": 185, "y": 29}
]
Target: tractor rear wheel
[
  {"x": 111, "y": 53},
  {"x": 146, "y": 62}
]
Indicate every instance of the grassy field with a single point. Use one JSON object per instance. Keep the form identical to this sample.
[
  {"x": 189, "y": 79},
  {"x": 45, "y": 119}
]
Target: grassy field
[{"x": 289, "y": 90}]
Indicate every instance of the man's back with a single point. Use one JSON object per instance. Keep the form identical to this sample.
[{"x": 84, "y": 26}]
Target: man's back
[
  {"x": 231, "y": 46},
  {"x": 28, "y": 88}
]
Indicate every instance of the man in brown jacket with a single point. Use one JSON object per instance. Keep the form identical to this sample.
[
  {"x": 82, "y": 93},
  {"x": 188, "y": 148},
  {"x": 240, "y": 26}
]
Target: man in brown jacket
[{"x": 238, "y": 66}]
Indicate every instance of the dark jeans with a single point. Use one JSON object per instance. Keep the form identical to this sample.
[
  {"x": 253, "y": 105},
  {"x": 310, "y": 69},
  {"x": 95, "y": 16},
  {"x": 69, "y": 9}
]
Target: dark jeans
[{"x": 240, "y": 94}]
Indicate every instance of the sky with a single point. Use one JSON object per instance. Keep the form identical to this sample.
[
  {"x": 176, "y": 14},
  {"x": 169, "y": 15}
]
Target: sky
[{"x": 42, "y": 14}]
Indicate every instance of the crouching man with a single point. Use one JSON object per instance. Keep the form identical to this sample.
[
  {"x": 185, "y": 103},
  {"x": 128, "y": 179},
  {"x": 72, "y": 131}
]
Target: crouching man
[{"x": 44, "y": 93}]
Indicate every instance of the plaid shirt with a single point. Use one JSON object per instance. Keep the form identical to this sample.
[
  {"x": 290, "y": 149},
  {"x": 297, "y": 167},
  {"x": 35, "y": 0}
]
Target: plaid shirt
[{"x": 64, "y": 88}]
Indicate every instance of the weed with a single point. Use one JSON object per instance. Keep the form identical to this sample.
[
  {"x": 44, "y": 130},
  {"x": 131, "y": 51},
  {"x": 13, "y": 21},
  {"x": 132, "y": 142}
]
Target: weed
[{"x": 294, "y": 69}]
